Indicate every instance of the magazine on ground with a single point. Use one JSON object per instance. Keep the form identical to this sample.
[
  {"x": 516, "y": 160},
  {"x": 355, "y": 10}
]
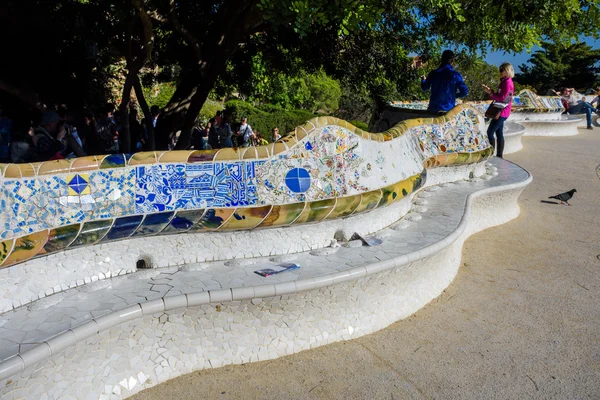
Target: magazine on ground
[
  {"x": 277, "y": 270},
  {"x": 371, "y": 240}
]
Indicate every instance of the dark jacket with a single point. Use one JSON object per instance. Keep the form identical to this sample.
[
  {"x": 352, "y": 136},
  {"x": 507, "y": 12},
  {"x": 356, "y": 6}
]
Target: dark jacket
[{"x": 446, "y": 85}]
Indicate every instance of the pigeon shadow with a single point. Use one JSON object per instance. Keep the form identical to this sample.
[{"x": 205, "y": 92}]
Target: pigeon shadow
[{"x": 549, "y": 202}]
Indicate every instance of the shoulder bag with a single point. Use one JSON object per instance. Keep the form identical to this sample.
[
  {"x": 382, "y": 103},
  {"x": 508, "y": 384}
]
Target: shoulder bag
[{"x": 496, "y": 107}]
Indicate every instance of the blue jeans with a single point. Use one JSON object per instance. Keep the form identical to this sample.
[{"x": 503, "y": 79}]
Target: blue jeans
[
  {"x": 583, "y": 108},
  {"x": 226, "y": 143},
  {"x": 497, "y": 128}
]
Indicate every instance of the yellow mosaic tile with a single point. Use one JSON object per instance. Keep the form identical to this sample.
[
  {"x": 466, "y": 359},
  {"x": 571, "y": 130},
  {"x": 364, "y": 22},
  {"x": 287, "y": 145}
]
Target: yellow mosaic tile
[
  {"x": 345, "y": 206},
  {"x": 369, "y": 201},
  {"x": 316, "y": 211},
  {"x": 143, "y": 158},
  {"x": 282, "y": 215},
  {"x": 290, "y": 141},
  {"x": 310, "y": 125},
  {"x": 301, "y": 133},
  {"x": 246, "y": 218},
  {"x": 26, "y": 247},
  {"x": 263, "y": 151},
  {"x": 5, "y": 249},
  {"x": 27, "y": 170},
  {"x": 250, "y": 153},
  {"x": 397, "y": 191},
  {"x": 230, "y": 153},
  {"x": 279, "y": 147},
  {"x": 332, "y": 120},
  {"x": 202, "y": 156},
  {"x": 175, "y": 156},
  {"x": 89, "y": 163},
  {"x": 54, "y": 167},
  {"x": 12, "y": 171}
]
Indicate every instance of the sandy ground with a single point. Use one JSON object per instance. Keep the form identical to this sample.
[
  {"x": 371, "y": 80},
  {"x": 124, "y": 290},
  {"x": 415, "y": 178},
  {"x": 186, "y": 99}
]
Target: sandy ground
[{"x": 521, "y": 320}]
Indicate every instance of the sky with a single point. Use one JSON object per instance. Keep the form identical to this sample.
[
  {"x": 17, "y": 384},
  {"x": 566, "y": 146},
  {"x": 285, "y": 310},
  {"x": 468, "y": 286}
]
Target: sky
[{"x": 498, "y": 57}]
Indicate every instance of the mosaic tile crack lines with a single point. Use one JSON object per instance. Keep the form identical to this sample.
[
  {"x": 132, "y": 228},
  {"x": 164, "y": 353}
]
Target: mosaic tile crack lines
[{"x": 117, "y": 197}]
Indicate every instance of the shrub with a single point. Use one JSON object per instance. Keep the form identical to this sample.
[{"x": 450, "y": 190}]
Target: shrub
[
  {"x": 159, "y": 94},
  {"x": 361, "y": 125},
  {"x": 209, "y": 110},
  {"x": 263, "y": 121}
]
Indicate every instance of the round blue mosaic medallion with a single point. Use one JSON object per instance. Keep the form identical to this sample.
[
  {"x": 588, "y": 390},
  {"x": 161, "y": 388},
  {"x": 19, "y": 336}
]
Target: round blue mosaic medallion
[{"x": 298, "y": 180}]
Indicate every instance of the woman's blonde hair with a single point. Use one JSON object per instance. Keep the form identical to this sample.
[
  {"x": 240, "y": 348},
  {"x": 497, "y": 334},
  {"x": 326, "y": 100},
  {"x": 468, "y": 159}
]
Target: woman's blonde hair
[{"x": 508, "y": 68}]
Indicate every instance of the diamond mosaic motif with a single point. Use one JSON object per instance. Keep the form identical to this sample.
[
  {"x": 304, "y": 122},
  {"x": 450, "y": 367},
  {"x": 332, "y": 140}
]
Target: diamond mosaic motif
[{"x": 78, "y": 184}]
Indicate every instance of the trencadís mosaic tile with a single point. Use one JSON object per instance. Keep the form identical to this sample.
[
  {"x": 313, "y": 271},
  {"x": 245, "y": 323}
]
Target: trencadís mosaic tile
[{"x": 325, "y": 169}]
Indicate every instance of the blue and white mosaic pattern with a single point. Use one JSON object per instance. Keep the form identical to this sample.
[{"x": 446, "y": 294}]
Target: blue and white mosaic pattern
[
  {"x": 174, "y": 187},
  {"x": 31, "y": 205}
]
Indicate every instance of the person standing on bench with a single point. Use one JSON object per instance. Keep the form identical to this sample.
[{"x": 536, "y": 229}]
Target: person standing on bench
[{"x": 445, "y": 83}]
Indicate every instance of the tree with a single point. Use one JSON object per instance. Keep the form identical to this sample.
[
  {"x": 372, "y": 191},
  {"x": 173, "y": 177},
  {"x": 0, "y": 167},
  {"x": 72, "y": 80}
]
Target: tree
[
  {"x": 353, "y": 41},
  {"x": 556, "y": 65},
  {"x": 476, "y": 72},
  {"x": 511, "y": 25}
]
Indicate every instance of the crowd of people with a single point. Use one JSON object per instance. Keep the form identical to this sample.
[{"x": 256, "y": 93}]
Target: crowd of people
[
  {"x": 58, "y": 133},
  {"x": 217, "y": 134}
]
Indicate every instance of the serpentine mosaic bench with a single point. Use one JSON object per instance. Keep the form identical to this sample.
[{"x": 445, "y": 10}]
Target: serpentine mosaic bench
[
  {"x": 95, "y": 217},
  {"x": 113, "y": 339},
  {"x": 205, "y": 221},
  {"x": 540, "y": 115}
]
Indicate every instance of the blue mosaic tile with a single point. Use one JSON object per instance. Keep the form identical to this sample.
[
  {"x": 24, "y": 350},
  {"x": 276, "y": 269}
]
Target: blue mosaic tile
[
  {"x": 183, "y": 221},
  {"x": 298, "y": 180},
  {"x": 113, "y": 161},
  {"x": 173, "y": 187},
  {"x": 154, "y": 223},
  {"x": 123, "y": 228}
]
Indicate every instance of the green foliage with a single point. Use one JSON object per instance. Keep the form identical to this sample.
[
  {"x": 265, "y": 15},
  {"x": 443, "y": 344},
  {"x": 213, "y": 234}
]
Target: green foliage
[
  {"x": 360, "y": 124},
  {"x": 159, "y": 94},
  {"x": 476, "y": 72},
  {"x": 296, "y": 90},
  {"x": 209, "y": 110},
  {"x": 325, "y": 92},
  {"x": 574, "y": 65},
  {"x": 263, "y": 121}
]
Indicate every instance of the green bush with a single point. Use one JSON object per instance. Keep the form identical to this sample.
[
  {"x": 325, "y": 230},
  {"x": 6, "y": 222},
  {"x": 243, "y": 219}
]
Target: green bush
[
  {"x": 209, "y": 110},
  {"x": 361, "y": 125},
  {"x": 263, "y": 121},
  {"x": 159, "y": 94}
]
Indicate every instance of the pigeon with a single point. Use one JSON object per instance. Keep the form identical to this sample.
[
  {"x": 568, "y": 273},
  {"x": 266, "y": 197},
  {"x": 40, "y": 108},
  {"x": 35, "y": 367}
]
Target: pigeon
[{"x": 564, "y": 197}]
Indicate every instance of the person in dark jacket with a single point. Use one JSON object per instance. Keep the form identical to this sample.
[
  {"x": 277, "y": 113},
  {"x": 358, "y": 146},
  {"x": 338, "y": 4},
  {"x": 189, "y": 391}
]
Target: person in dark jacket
[
  {"x": 48, "y": 137},
  {"x": 213, "y": 135},
  {"x": 445, "y": 84}
]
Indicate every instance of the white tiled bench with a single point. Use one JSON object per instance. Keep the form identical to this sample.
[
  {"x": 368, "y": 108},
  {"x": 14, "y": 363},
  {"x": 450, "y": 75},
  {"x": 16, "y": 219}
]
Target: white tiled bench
[
  {"x": 115, "y": 337},
  {"x": 567, "y": 125}
]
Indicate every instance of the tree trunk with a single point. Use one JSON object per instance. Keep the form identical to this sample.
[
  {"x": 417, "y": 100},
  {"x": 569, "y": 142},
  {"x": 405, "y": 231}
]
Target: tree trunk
[
  {"x": 148, "y": 125},
  {"x": 237, "y": 19},
  {"x": 172, "y": 117},
  {"x": 125, "y": 132}
]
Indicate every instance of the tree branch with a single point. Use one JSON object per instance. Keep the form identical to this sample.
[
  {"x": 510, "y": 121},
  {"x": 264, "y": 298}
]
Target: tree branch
[
  {"x": 187, "y": 35},
  {"x": 148, "y": 34}
]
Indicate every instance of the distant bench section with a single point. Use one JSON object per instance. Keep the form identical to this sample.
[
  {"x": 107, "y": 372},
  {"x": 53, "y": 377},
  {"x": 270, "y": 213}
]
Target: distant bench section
[{"x": 539, "y": 115}]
